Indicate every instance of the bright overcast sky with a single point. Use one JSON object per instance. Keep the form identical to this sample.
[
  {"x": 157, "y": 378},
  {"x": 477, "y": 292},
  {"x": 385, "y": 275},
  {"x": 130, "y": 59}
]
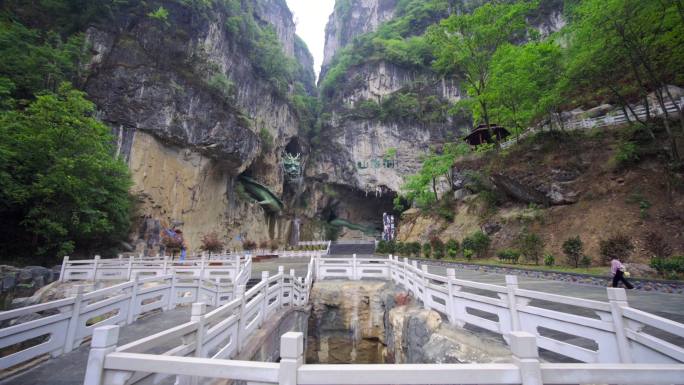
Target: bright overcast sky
[{"x": 311, "y": 17}]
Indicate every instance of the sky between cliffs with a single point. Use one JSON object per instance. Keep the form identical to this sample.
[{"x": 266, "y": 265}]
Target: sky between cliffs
[{"x": 311, "y": 17}]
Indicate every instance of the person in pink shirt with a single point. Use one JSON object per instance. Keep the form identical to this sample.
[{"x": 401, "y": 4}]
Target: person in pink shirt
[{"x": 617, "y": 271}]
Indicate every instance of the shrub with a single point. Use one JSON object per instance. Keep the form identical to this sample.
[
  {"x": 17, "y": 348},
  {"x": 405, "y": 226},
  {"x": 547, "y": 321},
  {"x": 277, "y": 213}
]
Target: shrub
[
  {"x": 573, "y": 249},
  {"x": 585, "y": 261},
  {"x": 263, "y": 245},
  {"x": 211, "y": 243},
  {"x": 531, "y": 245},
  {"x": 478, "y": 243},
  {"x": 617, "y": 246},
  {"x": 668, "y": 266},
  {"x": 452, "y": 248},
  {"x": 381, "y": 247},
  {"x": 509, "y": 255},
  {"x": 414, "y": 249},
  {"x": 437, "y": 247},
  {"x": 656, "y": 245},
  {"x": 468, "y": 254},
  {"x": 248, "y": 245},
  {"x": 626, "y": 153},
  {"x": 549, "y": 260},
  {"x": 427, "y": 250}
]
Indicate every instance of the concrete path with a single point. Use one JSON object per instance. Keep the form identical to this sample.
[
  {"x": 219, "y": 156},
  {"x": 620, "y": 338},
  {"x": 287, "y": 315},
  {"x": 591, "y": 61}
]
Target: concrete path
[{"x": 69, "y": 369}]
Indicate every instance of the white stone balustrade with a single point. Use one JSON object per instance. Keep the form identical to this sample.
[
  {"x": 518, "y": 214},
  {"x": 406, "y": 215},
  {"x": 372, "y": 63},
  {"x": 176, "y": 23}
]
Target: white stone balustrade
[
  {"x": 67, "y": 322},
  {"x": 217, "y": 335},
  {"x": 631, "y": 356},
  {"x": 615, "y": 330}
]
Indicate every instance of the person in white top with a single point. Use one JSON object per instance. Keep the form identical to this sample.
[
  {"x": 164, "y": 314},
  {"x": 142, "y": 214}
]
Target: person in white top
[{"x": 617, "y": 270}]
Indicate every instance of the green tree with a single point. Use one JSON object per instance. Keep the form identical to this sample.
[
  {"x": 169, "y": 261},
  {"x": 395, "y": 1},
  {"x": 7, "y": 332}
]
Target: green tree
[
  {"x": 627, "y": 49},
  {"x": 465, "y": 44},
  {"x": 523, "y": 83},
  {"x": 60, "y": 187},
  {"x": 531, "y": 245},
  {"x": 573, "y": 248}
]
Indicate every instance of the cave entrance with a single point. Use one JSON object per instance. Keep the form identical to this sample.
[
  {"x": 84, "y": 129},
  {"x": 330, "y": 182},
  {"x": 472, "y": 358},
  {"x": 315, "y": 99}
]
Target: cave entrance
[{"x": 352, "y": 212}]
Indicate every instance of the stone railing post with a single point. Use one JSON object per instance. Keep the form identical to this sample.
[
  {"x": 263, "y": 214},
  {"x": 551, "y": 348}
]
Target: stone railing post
[
  {"x": 62, "y": 272},
  {"x": 526, "y": 357},
  {"x": 354, "y": 269},
  {"x": 291, "y": 357},
  {"x": 406, "y": 279},
  {"x": 201, "y": 274},
  {"x": 73, "y": 321},
  {"x": 264, "y": 300},
  {"x": 104, "y": 342},
  {"x": 293, "y": 282},
  {"x": 96, "y": 262},
  {"x": 425, "y": 283},
  {"x": 130, "y": 267},
  {"x": 281, "y": 284},
  {"x": 240, "y": 293},
  {"x": 199, "y": 309},
  {"x": 132, "y": 306},
  {"x": 390, "y": 266},
  {"x": 618, "y": 300},
  {"x": 173, "y": 296},
  {"x": 303, "y": 298},
  {"x": 511, "y": 287},
  {"x": 451, "y": 311},
  {"x": 166, "y": 264},
  {"x": 236, "y": 261}
]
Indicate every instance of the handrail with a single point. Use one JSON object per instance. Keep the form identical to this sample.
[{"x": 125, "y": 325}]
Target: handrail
[
  {"x": 122, "y": 303},
  {"x": 617, "y": 329}
]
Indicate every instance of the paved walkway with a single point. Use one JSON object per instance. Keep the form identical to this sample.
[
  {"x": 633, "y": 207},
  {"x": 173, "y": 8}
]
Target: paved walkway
[{"x": 69, "y": 369}]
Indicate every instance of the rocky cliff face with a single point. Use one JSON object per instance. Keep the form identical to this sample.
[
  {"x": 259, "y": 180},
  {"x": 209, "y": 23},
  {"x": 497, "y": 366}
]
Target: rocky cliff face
[
  {"x": 377, "y": 322},
  {"x": 192, "y": 112},
  {"x": 381, "y": 115},
  {"x": 352, "y": 18}
]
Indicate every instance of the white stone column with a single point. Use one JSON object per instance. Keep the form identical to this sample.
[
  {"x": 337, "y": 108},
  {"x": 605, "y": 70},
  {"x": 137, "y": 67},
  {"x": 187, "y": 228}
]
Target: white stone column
[
  {"x": 618, "y": 300},
  {"x": 511, "y": 287},
  {"x": 526, "y": 357},
  {"x": 104, "y": 342},
  {"x": 73, "y": 321},
  {"x": 264, "y": 303},
  {"x": 291, "y": 357},
  {"x": 199, "y": 309},
  {"x": 281, "y": 284},
  {"x": 133, "y": 304},
  {"x": 62, "y": 272}
]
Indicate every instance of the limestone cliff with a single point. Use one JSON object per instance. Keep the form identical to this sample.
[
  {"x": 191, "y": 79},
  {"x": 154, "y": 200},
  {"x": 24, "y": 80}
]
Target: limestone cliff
[
  {"x": 380, "y": 111},
  {"x": 192, "y": 109},
  {"x": 352, "y": 18}
]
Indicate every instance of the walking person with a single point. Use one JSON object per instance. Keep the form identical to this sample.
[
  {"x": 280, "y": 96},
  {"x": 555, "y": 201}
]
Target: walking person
[{"x": 617, "y": 270}]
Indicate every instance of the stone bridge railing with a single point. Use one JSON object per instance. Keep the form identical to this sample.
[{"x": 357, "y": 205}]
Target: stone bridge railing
[
  {"x": 201, "y": 348},
  {"x": 585, "y": 330},
  {"x": 206, "y": 267},
  {"x": 208, "y": 337},
  {"x": 60, "y": 326}
]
